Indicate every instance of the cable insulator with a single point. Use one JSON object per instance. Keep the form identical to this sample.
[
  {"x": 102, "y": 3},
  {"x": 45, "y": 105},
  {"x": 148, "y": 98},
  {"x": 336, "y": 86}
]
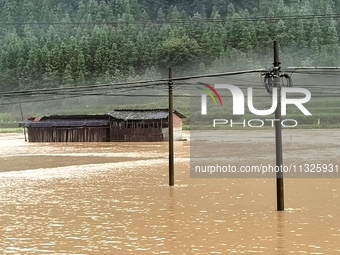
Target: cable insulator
[
  {"x": 268, "y": 82},
  {"x": 288, "y": 79}
]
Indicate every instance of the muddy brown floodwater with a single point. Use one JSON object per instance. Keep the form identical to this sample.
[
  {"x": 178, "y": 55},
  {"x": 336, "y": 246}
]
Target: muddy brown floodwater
[{"x": 114, "y": 198}]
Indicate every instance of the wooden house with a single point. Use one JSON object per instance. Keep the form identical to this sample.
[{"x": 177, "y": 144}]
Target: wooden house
[
  {"x": 117, "y": 126},
  {"x": 68, "y": 128},
  {"x": 143, "y": 125}
]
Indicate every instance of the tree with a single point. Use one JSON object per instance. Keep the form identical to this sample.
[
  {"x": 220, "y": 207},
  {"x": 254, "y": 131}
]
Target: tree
[
  {"x": 160, "y": 15},
  {"x": 315, "y": 50},
  {"x": 12, "y": 47},
  {"x": 301, "y": 43},
  {"x": 248, "y": 39},
  {"x": 231, "y": 60},
  {"x": 234, "y": 34},
  {"x": 331, "y": 43},
  {"x": 80, "y": 80},
  {"x": 68, "y": 77},
  {"x": 81, "y": 12},
  {"x": 174, "y": 14},
  {"x": 81, "y": 65},
  {"x": 281, "y": 33},
  {"x": 221, "y": 6},
  {"x": 151, "y": 74},
  {"x": 230, "y": 10},
  {"x": 182, "y": 54},
  {"x": 132, "y": 44}
]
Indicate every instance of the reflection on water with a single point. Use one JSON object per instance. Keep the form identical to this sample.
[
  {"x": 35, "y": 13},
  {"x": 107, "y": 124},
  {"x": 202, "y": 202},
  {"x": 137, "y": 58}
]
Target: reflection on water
[
  {"x": 281, "y": 245},
  {"x": 115, "y": 200}
]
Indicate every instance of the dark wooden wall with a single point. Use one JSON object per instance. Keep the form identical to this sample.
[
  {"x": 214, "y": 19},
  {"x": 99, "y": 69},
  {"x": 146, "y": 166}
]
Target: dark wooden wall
[
  {"x": 118, "y": 131},
  {"x": 136, "y": 131},
  {"x": 65, "y": 134}
]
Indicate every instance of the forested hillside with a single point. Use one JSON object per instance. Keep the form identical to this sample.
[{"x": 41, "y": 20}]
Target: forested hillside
[{"x": 75, "y": 42}]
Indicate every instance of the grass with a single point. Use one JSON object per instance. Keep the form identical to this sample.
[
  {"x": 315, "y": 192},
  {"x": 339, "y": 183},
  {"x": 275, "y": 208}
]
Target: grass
[
  {"x": 11, "y": 130},
  {"x": 9, "y": 125}
]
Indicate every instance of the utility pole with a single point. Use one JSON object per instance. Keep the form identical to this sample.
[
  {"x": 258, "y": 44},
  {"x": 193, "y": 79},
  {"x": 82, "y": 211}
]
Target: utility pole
[
  {"x": 171, "y": 131},
  {"x": 278, "y": 131}
]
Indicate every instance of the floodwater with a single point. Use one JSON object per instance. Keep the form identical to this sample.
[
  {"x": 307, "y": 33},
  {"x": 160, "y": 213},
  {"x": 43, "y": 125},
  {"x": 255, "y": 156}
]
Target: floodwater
[{"x": 114, "y": 198}]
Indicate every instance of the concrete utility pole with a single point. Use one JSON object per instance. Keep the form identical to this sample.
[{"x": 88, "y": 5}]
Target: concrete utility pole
[
  {"x": 278, "y": 131},
  {"x": 171, "y": 131}
]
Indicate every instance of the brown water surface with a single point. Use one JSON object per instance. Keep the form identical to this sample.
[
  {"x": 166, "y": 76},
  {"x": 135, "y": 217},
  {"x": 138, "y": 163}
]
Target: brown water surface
[{"x": 113, "y": 198}]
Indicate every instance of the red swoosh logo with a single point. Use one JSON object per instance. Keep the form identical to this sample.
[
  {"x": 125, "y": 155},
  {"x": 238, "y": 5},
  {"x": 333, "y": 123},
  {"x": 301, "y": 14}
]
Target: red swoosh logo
[{"x": 213, "y": 90}]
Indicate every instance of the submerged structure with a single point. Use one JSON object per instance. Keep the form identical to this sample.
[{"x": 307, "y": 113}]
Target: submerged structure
[{"x": 122, "y": 125}]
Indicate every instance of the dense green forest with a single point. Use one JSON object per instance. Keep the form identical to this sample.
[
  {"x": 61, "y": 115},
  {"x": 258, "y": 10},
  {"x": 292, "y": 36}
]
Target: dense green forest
[{"x": 75, "y": 42}]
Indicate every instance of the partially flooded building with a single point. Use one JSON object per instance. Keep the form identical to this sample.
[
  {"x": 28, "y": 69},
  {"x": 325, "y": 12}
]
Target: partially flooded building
[
  {"x": 122, "y": 125},
  {"x": 67, "y": 128},
  {"x": 144, "y": 125}
]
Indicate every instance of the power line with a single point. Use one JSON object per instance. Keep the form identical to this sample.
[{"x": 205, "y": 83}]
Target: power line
[
  {"x": 132, "y": 87},
  {"x": 135, "y": 90},
  {"x": 143, "y": 95},
  {"x": 313, "y": 67},
  {"x": 140, "y": 83}
]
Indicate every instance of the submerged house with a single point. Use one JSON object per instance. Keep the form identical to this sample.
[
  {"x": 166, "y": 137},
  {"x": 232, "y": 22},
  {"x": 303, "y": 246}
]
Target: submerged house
[
  {"x": 144, "y": 125},
  {"x": 67, "y": 128},
  {"x": 122, "y": 125}
]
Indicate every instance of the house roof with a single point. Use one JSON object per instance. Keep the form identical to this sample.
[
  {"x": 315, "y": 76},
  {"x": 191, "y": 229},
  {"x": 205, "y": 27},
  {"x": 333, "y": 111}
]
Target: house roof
[
  {"x": 66, "y": 121},
  {"x": 142, "y": 114},
  {"x": 97, "y": 120},
  {"x": 73, "y": 117}
]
